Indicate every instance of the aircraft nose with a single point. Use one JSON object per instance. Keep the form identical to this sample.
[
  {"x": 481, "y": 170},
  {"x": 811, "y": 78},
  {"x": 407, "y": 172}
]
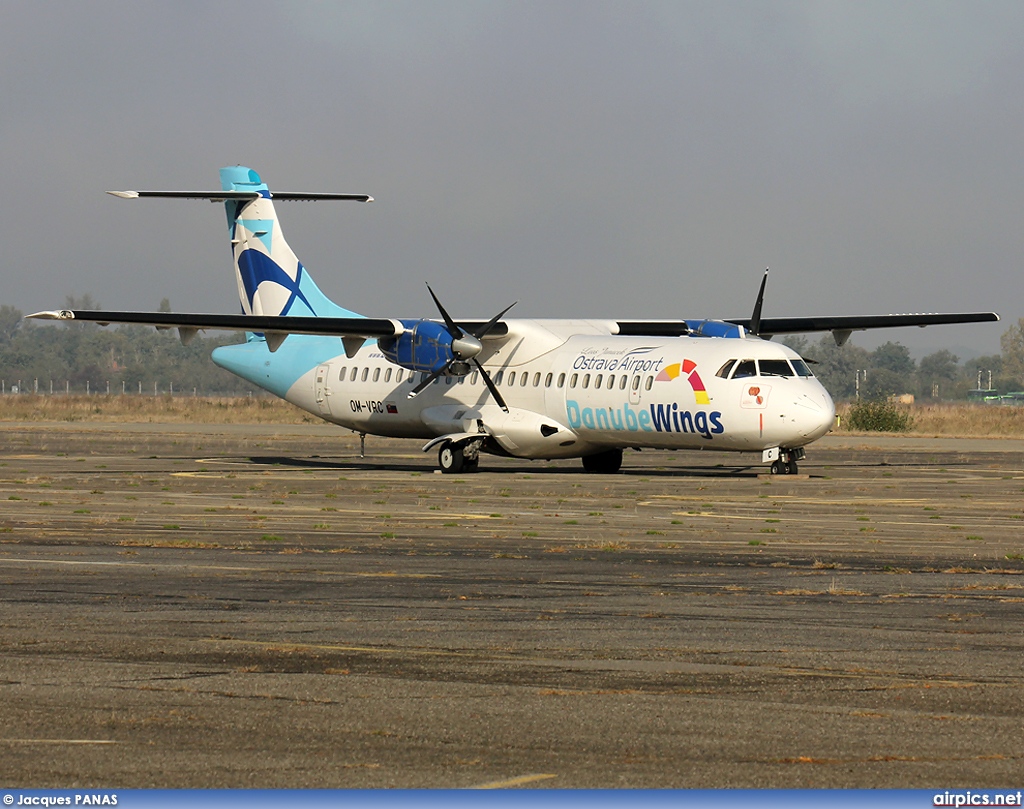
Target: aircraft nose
[{"x": 817, "y": 413}]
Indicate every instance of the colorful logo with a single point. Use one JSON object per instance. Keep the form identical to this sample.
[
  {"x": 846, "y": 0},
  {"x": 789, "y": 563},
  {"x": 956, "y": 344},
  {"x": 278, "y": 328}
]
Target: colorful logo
[{"x": 688, "y": 367}]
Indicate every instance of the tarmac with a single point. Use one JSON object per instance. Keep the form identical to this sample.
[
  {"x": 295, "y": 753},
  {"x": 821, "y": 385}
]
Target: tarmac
[{"x": 239, "y": 606}]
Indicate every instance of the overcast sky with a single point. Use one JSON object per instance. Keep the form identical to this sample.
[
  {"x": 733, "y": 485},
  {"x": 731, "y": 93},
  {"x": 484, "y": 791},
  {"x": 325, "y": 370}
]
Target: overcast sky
[{"x": 629, "y": 159}]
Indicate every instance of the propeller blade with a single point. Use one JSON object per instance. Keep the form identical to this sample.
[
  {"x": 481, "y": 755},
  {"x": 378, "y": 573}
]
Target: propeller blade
[
  {"x": 422, "y": 386},
  {"x": 490, "y": 385},
  {"x": 755, "y": 318},
  {"x": 465, "y": 347},
  {"x": 480, "y": 333},
  {"x": 453, "y": 329}
]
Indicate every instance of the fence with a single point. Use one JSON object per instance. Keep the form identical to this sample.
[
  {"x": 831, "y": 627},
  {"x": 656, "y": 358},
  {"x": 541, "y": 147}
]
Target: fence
[{"x": 104, "y": 389}]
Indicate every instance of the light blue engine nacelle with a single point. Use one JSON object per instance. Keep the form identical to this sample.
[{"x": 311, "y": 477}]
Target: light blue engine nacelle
[{"x": 424, "y": 347}]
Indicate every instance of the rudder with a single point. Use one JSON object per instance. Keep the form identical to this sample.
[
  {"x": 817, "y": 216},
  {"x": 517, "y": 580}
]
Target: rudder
[{"x": 271, "y": 279}]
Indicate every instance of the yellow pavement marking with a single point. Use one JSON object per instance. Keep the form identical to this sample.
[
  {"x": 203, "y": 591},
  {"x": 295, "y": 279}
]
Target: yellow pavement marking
[
  {"x": 58, "y": 741},
  {"x": 515, "y": 782}
]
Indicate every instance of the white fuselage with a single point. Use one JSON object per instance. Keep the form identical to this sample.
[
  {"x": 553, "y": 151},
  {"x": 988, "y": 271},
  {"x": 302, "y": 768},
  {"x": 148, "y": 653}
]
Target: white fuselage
[{"x": 570, "y": 393}]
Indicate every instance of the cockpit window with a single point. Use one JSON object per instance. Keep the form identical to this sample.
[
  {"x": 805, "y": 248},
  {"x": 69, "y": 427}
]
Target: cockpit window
[
  {"x": 775, "y": 368},
  {"x": 801, "y": 368},
  {"x": 745, "y": 368},
  {"x": 724, "y": 370}
]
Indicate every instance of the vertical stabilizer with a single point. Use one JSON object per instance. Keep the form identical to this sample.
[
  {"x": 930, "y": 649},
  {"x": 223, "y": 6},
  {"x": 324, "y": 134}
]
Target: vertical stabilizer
[{"x": 271, "y": 279}]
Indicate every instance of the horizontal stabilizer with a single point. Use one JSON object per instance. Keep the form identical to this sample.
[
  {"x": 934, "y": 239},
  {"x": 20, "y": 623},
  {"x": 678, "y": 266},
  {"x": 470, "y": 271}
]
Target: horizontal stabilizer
[{"x": 221, "y": 196}]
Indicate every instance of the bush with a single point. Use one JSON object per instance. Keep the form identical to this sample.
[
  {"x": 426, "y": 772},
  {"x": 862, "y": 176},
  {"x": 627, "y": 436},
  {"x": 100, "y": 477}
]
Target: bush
[{"x": 879, "y": 417}]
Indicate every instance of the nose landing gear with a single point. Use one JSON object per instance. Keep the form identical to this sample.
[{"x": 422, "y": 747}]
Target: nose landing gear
[{"x": 785, "y": 464}]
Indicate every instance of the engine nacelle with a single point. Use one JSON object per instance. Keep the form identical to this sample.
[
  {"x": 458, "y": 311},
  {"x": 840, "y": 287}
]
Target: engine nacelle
[
  {"x": 715, "y": 328},
  {"x": 425, "y": 346}
]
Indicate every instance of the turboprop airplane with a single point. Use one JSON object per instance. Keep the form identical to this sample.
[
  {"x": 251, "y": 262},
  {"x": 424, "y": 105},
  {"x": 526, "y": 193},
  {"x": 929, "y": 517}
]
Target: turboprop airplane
[{"x": 540, "y": 389}]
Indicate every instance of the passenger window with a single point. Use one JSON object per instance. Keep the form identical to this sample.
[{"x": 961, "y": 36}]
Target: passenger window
[
  {"x": 561, "y": 380},
  {"x": 597, "y": 381},
  {"x": 775, "y": 368},
  {"x": 636, "y": 383},
  {"x": 497, "y": 377},
  {"x": 398, "y": 375},
  {"x": 353, "y": 375},
  {"x": 611, "y": 381},
  {"x": 572, "y": 380},
  {"x": 472, "y": 379},
  {"x": 744, "y": 369},
  {"x": 511, "y": 378},
  {"x": 547, "y": 380},
  {"x": 387, "y": 374},
  {"x": 448, "y": 380},
  {"x": 424, "y": 377},
  {"x": 725, "y": 369},
  {"x": 586, "y": 380},
  {"x": 366, "y": 373},
  {"x": 623, "y": 382},
  {"x": 650, "y": 382},
  {"x": 376, "y": 374},
  {"x": 341, "y": 374}
]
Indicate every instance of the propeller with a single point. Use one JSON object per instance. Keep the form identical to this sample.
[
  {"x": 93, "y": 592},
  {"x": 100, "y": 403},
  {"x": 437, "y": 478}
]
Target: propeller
[
  {"x": 465, "y": 348},
  {"x": 755, "y": 318}
]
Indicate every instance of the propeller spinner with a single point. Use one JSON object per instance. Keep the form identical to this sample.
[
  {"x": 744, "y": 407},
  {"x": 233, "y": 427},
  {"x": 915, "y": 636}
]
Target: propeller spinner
[{"x": 465, "y": 346}]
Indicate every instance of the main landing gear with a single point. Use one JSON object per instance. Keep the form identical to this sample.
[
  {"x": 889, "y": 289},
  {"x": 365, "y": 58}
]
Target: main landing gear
[
  {"x": 456, "y": 458},
  {"x": 604, "y": 463}
]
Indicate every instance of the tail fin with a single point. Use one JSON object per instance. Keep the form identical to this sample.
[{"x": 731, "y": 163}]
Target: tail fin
[{"x": 271, "y": 279}]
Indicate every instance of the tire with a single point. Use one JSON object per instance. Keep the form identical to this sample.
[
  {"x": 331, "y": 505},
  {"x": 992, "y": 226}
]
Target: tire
[
  {"x": 778, "y": 468},
  {"x": 604, "y": 463},
  {"x": 451, "y": 459}
]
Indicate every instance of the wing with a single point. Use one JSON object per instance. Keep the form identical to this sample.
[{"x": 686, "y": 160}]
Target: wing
[
  {"x": 352, "y": 330},
  {"x": 841, "y": 326}
]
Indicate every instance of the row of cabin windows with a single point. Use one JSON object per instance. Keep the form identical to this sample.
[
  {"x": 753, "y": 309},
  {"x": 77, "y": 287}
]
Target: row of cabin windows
[
  {"x": 742, "y": 369},
  {"x": 397, "y": 375},
  {"x": 352, "y": 374}
]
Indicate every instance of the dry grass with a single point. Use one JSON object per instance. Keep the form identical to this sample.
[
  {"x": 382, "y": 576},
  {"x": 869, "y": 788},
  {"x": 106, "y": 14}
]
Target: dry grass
[
  {"x": 932, "y": 419},
  {"x": 966, "y": 420},
  {"x": 152, "y": 409}
]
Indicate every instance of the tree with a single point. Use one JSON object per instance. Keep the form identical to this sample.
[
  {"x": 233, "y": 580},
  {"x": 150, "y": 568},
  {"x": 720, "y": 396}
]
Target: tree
[
  {"x": 938, "y": 373},
  {"x": 1012, "y": 344},
  {"x": 893, "y": 357},
  {"x": 10, "y": 321},
  {"x": 836, "y": 366}
]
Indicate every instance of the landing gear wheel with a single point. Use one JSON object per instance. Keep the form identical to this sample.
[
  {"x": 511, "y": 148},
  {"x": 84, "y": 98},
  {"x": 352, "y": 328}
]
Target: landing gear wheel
[
  {"x": 784, "y": 467},
  {"x": 451, "y": 459},
  {"x": 604, "y": 463}
]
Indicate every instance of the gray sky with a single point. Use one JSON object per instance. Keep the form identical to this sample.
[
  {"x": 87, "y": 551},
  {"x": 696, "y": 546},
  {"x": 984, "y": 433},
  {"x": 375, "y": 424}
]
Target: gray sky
[{"x": 630, "y": 159}]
